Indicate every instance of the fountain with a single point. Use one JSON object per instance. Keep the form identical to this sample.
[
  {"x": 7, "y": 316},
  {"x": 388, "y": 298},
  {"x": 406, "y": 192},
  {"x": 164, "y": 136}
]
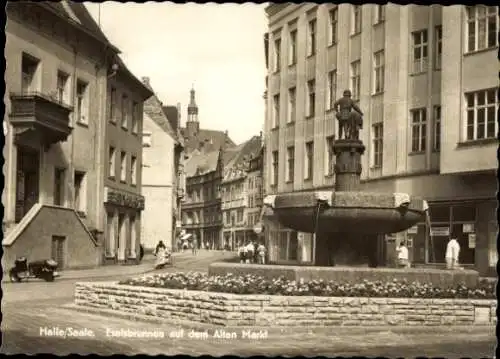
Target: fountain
[{"x": 347, "y": 219}]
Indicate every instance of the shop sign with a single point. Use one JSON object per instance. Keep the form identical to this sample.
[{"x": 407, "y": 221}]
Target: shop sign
[
  {"x": 440, "y": 231},
  {"x": 468, "y": 228},
  {"x": 413, "y": 230},
  {"x": 472, "y": 240}
]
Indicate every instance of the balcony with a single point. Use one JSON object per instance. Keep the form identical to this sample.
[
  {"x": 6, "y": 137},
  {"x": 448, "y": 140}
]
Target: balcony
[{"x": 40, "y": 119}]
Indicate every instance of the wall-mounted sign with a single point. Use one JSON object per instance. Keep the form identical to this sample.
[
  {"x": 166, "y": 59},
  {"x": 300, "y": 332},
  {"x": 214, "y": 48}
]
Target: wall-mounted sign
[
  {"x": 409, "y": 242},
  {"x": 258, "y": 228},
  {"x": 413, "y": 230},
  {"x": 468, "y": 228},
  {"x": 472, "y": 240},
  {"x": 440, "y": 231}
]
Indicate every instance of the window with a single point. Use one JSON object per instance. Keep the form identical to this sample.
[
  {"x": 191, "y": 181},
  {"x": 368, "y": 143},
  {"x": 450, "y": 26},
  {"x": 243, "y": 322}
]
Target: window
[
  {"x": 80, "y": 192},
  {"x": 292, "y": 94},
  {"x": 356, "y": 19},
  {"x": 482, "y": 107},
  {"x": 333, "y": 23},
  {"x": 276, "y": 111},
  {"x": 277, "y": 55},
  {"x": 311, "y": 97},
  {"x": 418, "y": 129},
  {"x": 419, "y": 51},
  {"x": 436, "y": 141},
  {"x": 59, "y": 184},
  {"x": 330, "y": 156},
  {"x": 311, "y": 43},
  {"x": 133, "y": 170},
  {"x": 309, "y": 161},
  {"x": 135, "y": 117},
  {"x": 292, "y": 56},
  {"x": 82, "y": 106},
  {"x": 29, "y": 71},
  {"x": 124, "y": 110},
  {"x": 240, "y": 215},
  {"x": 482, "y": 27},
  {"x": 112, "y": 105},
  {"x": 123, "y": 167},
  {"x": 290, "y": 163},
  {"x": 379, "y": 13},
  {"x": 355, "y": 80},
  {"x": 275, "y": 168},
  {"x": 378, "y": 72},
  {"x": 62, "y": 87},
  {"x": 378, "y": 143},
  {"x": 112, "y": 162},
  {"x": 146, "y": 139},
  {"x": 133, "y": 236},
  {"x": 438, "y": 43},
  {"x": 332, "y": 89}
]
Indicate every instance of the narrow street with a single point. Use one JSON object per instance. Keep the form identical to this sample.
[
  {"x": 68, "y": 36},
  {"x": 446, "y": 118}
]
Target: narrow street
[{"x": 30, "y": 308}]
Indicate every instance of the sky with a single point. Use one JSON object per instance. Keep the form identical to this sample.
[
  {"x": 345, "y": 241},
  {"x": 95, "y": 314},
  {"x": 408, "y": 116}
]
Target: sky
[{"x": 218, "y": 49}]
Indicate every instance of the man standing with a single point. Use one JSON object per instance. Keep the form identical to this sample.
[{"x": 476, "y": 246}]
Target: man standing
[
  {"x": 195, "y": 244},
  {"x": 403, "y": 258},
  {"x": 452, "y": 252}
]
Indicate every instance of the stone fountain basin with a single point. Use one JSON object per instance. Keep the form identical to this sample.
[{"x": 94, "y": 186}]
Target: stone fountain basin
[{"x": 349, "y": 212}]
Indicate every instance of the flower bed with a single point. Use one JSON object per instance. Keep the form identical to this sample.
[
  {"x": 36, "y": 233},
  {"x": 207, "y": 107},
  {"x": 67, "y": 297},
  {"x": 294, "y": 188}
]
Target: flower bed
[{"x": 251, "y": 284}]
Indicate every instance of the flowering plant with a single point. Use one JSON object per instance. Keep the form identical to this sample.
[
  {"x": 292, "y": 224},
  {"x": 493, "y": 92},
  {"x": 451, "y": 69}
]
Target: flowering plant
[{"x": 252, "y": 284}]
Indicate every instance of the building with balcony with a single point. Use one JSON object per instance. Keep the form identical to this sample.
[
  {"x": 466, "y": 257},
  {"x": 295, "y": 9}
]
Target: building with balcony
[
  {"x": 201, "y": 209},
  {"x": 162, "y": 173},
  {"x": 57, "y": 63},
  {"x": 425, "y": 78},
  {"x": 123, "y": 198},
  {"x": 239, "y": 193}
]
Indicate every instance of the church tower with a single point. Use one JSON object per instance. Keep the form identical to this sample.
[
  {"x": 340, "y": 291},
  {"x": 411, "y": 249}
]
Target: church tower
[{"x": 192, "y": 124}]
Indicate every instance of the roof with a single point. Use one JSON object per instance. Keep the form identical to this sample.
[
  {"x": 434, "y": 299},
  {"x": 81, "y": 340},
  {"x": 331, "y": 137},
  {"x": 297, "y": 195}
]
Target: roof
[
  {"x": 215, "y": 139},
  {"x": 153, "y": 108},
  {"x": 78, "y": 15},
  {"x": 146, "y": 91},
  {"x": 201, "y": 162},
  {"x": 236, "y": 159}
]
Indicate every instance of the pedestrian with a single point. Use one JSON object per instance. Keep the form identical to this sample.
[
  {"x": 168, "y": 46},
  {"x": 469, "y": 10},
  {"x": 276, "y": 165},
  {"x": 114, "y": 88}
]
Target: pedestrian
[
  {"x": 250, "y": 252},
  {"x": 141, "y": 252},
  {"x": 195, "y": 245},
  {"x": 159, "y": 246},
  {"x": 452, "y": 253},
  {"x": 242, "y": 251},
  {"x": 207, "y": 245},
  {"x": 403, "y": 258},
  {"x": 261, "y": 253}
]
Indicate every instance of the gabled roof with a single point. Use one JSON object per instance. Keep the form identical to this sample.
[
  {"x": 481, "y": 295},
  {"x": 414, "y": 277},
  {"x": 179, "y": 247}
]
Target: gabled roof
[
  {"x": 78, "y": 15},
  {"x": 236, "y": 159},
  {"x": 201, "y": 162},
  {"x": 153, "y": 108},
  {"x": 213, "y": 138}
]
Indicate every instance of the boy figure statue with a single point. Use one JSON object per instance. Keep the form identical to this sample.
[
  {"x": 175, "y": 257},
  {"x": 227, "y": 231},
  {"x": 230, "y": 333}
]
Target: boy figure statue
[{"x": 349, "y": 121}]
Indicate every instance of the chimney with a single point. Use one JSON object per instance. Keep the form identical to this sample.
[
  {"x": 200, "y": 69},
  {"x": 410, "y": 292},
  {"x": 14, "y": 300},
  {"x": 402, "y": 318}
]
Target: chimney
[
  {"x": 179, "y": 115},
  {"x": 145, "y": 80}
]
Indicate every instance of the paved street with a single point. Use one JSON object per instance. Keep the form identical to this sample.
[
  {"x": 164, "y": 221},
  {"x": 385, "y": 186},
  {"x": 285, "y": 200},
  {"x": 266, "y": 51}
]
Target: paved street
[{"x": 31, "y": 307}]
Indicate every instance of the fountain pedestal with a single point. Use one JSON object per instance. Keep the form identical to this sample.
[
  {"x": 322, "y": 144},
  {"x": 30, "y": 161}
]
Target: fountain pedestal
[{"x": 354, "y": 247}]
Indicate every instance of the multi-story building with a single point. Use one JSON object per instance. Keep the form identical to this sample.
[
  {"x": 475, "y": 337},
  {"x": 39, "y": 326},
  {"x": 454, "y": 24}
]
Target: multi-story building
[
  {"x": 429, "y": 129},
  {"x": 160, "y": 173},
  {"x": 238, "y": 193},
  {"x": 123, "y": 200},
  {"x": 255, "y": 189},
  {"x": 201, "y": 209}
]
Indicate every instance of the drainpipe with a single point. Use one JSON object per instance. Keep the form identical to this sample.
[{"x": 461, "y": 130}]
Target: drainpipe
[
  {"x": 430, "y": 75},
  {"x": 72, "y": 153}
]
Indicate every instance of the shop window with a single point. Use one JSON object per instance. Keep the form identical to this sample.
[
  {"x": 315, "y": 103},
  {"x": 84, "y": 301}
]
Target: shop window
[
  {"x": 293, "y": 247},
  {"x": 465, "y": 213},
  {"x": 467, "y": 242}
]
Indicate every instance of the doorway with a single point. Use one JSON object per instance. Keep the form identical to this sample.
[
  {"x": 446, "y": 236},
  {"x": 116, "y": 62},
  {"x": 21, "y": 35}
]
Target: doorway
[
  {"x": 27, "y": 181},
  {"x": 121, "y": 238},
  {"x": 58, "y": 250}
]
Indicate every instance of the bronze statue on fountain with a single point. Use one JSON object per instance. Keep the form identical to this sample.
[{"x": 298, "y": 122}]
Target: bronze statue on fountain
[{"x": 350, "y": 122}]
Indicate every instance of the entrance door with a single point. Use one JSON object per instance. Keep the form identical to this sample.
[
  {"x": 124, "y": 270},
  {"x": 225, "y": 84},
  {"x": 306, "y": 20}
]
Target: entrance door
[
  {"x": 58, "y": 250},
  {"x": 121, "y": 237},
  {"x": 27, "y": 181}
]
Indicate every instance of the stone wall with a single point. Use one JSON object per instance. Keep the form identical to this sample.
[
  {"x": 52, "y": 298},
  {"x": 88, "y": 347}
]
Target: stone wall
[{"x": 263, "y": 310}]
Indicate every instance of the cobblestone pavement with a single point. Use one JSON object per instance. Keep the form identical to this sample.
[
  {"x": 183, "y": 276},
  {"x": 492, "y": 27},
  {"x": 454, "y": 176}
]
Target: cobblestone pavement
[{"x": 29, "y": 308}]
